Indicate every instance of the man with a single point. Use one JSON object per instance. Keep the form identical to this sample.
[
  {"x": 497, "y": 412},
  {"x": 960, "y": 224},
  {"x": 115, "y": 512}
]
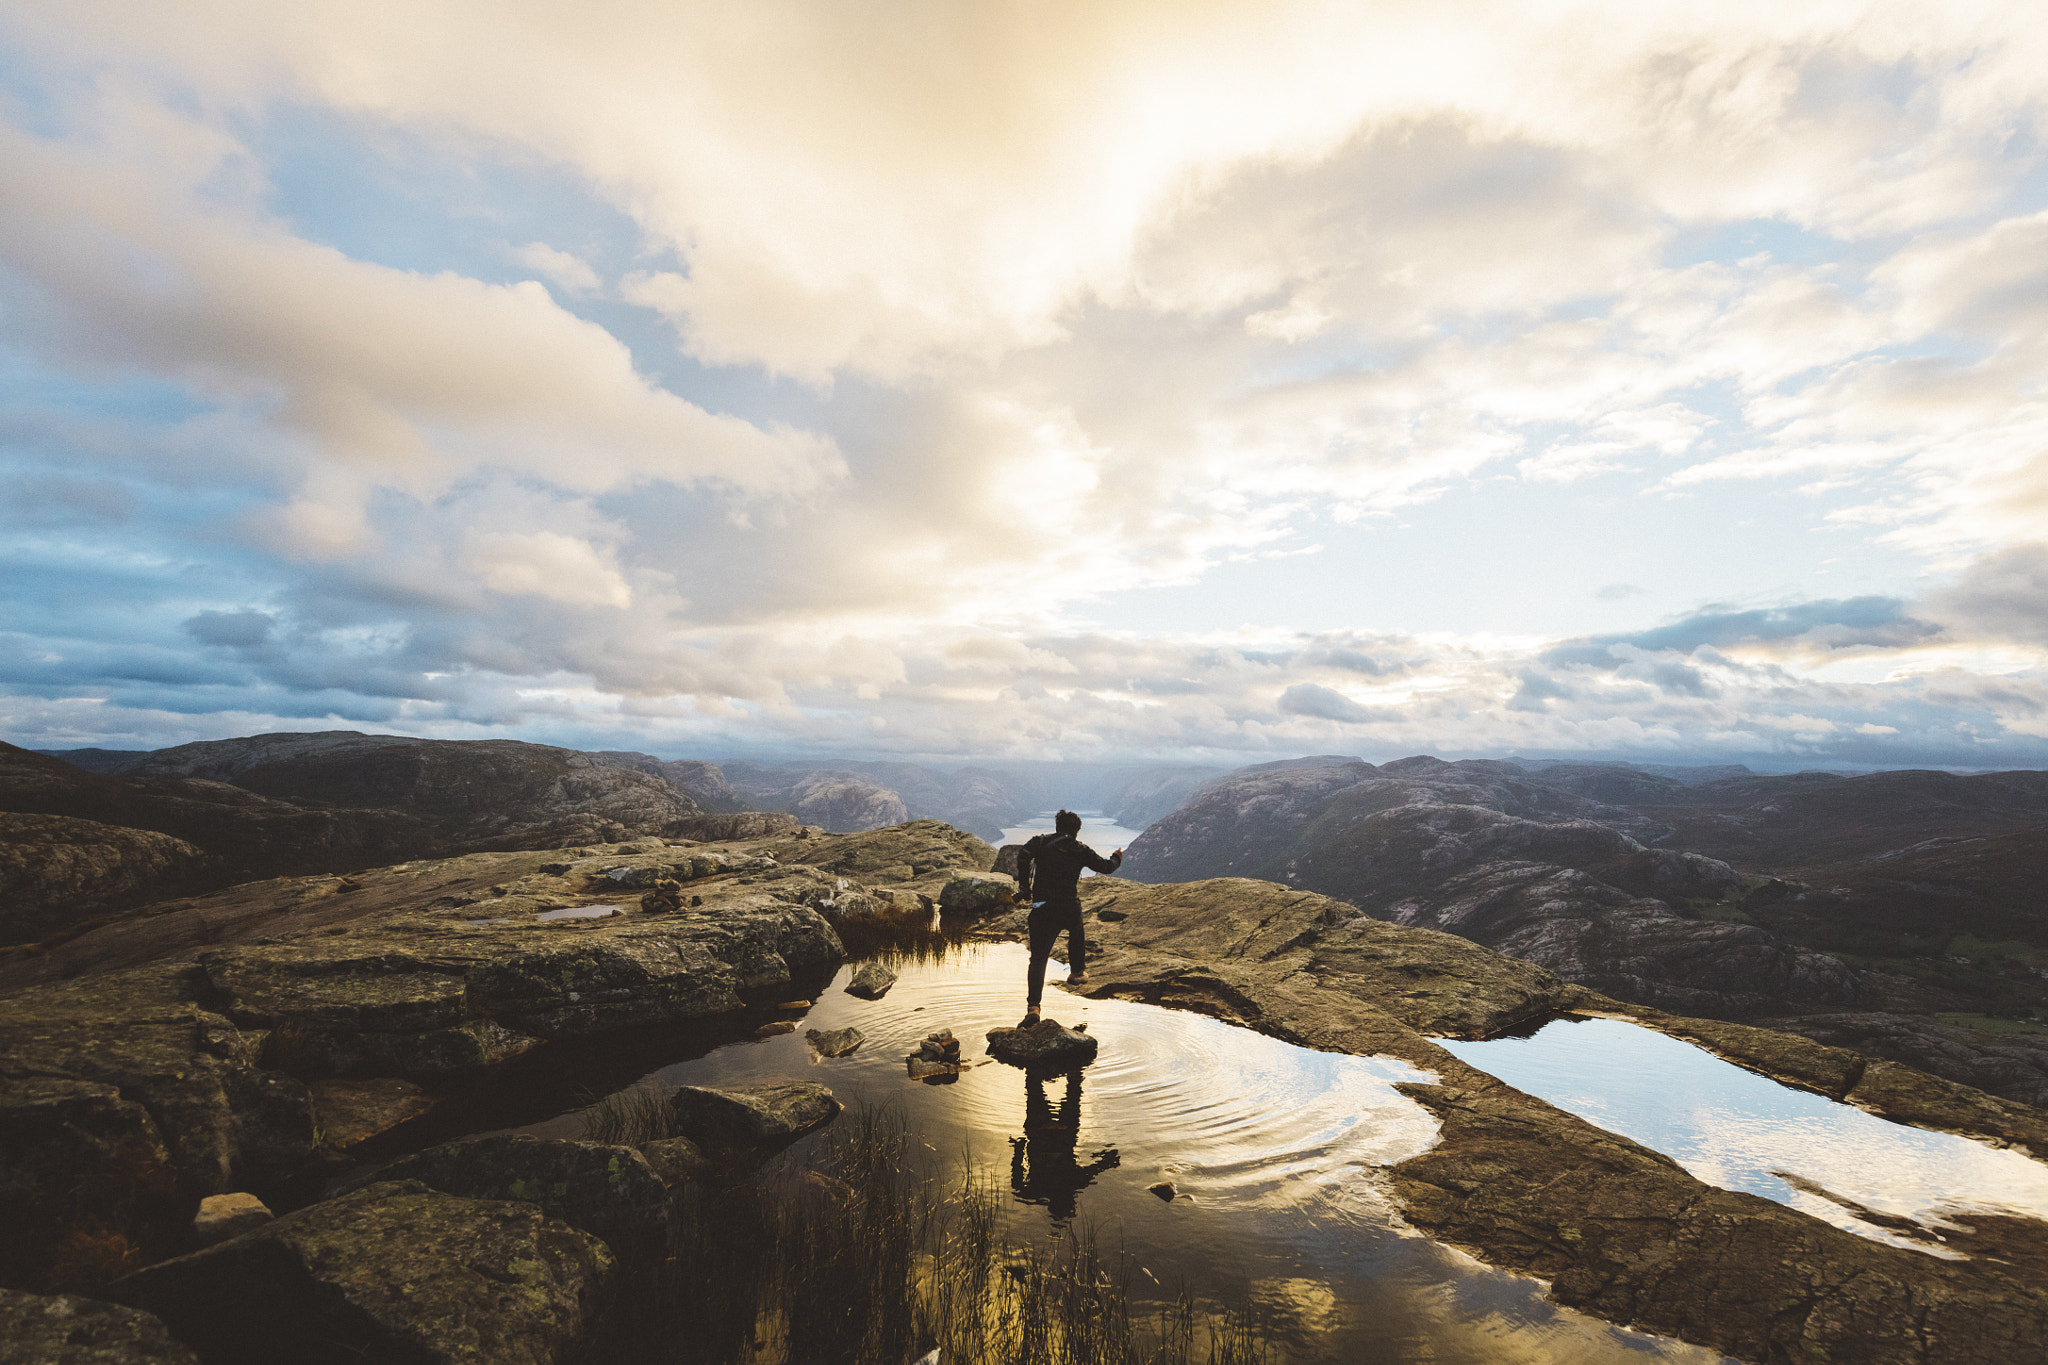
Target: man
[{"x": 1054, "y": 862}]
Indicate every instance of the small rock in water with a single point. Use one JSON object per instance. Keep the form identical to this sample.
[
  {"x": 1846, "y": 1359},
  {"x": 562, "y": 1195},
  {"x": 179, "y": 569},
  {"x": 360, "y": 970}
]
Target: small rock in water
[
  {"x": 836, "y": 1043},
  {"x": 939, "y": 1047},
  {"x": 1164, "y": 1189},
  {"x": 770, "y": 1030},
  {"x": 1111, "y": 916},
  {"x": 222, "y": 1216},
  {"x": 924, "y": 1069},
  {"x": 872, "y": 981},
  {"x": 761, "y": 1116},
  {"x": 794, "y": 1005},
  {"x": 1050, "y": 1044}
]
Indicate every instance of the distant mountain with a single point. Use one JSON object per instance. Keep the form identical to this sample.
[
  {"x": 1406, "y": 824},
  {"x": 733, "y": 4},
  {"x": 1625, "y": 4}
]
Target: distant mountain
[{"x": 1869, "y": 904}]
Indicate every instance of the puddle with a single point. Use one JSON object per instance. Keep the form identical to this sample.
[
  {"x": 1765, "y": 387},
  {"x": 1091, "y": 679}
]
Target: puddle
[
  {"x": 579, "y": 912},
  {"x": 1278, "y": 1146},
  {"x": 1741, "y": 1131}
]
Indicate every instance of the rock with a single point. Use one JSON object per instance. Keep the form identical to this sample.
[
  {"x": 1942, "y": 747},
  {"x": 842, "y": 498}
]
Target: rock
[
  {"x": 665, "y": 898},
  {"x": 871, "y": 981},
  {"x": 939, "y": 1047},
  {"x": 1049, "y": 1045},
  {"x": 838, "y": 1042},
  {"x": 757, "y": 1117},
  {"x": 796, "y": 1004},
  {"x": 899, "y": 853},
  {"x": 57, "y": 871},
  {"x": 1618, "y": 1230},
  {"x": 65, "y": 1329},
  {"x": 924, "y": 1069},
  {"x": 608, "y": 1191},
  {"x": 349, "y": 1112},
  {"x": 971, "y": 894},
  {"x": 1164, "y": 1189},
  {"x": 676, "y": 1160},
  {"x": 396, "y": 1271},
  {"x": 222, "y": 1216},
  {"x": 771, "y": 1030}
]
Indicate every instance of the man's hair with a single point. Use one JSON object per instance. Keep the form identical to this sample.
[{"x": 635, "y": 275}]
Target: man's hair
[{"x": 1066, "y": 822}]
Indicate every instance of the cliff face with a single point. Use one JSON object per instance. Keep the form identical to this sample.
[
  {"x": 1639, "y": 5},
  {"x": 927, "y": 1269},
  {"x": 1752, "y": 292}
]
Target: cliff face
[{"x": 1731, "y": 896}]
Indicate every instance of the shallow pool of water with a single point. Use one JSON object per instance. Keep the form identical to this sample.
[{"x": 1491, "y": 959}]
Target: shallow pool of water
[
  {"x": 1276, "y": 1147},
  {"x": 580, "y": 912},
  {"x": 1741, "y": 1131}
]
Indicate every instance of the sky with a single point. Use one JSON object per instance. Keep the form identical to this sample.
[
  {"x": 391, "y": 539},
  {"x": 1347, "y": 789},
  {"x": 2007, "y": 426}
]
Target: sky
[{"x": 1078, "y": 381}]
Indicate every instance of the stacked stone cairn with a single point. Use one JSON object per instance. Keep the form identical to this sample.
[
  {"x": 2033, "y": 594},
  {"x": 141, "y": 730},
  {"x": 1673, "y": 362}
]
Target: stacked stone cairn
[{"x": 938, "y": 1055}]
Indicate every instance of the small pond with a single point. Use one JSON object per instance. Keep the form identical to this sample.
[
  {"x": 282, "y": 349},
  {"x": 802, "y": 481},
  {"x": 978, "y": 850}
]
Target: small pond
[
  {"x": 1741, "y": 1131},
  {"x": 1275, "y": 1148}
]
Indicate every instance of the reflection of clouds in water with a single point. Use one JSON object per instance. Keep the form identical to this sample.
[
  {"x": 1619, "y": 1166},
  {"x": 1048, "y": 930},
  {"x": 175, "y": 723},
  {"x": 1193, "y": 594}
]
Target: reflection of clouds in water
[{"x": 1733, "y": 1128}]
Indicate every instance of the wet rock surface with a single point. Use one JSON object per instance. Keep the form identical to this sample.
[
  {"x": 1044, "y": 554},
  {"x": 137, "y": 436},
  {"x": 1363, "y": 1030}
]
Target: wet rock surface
[
  {"x": 1619, "y": 1230},
  {"x": 1049, "y": 1044},
  {"x": 609, "y": 1191},
  {"x": 756, "y": 1118},
  {"x": 67, "y": 1329},
  {"x": 836, "y": 1042},
  {"x": 351, "y": 1111},
  {"x": 396, "y": 1271}
]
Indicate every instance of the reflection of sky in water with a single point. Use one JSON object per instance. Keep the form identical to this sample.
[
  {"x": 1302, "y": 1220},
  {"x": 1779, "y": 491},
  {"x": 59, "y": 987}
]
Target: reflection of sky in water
[
  {"x": 1732, "y": 1128},
  {"x": 1098, "y": 832},
  {"x": 1277, "y": 1145}
]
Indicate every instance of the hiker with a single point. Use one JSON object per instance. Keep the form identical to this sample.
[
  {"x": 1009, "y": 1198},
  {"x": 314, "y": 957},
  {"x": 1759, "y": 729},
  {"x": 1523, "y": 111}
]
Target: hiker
[{"x": 1055, "y": 899}]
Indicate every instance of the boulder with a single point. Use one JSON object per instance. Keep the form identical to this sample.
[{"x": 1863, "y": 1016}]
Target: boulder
[
  {"x": 837, "y": 1042},
  {"x": 976, "y": 894},
  {"x": 1050, "y": 1045},
  {"x": 871, "y": 981},
  {"x": 676, "y": 1160},
  {"x": 610, "y": 1192},
  {"x": 64, "y": 1329},
  {"x": 762, "y": 1117},
  {"x": 395, "y": 1272},
  {"x": 222, "y": 1216}
]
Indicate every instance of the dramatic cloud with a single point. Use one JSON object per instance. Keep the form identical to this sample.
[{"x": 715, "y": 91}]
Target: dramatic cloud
[{"x": 795, "y": 375}]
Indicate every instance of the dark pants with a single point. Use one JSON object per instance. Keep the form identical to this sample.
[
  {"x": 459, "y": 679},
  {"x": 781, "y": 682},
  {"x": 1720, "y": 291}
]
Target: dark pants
[{"x": 1048, "y": 922}]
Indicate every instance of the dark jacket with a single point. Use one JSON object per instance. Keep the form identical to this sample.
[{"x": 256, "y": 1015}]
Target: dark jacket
[{"x": 1057, "y": 860}]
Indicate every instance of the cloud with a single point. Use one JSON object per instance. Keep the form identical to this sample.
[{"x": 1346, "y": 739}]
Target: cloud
[
  {"x": 235, "y": 629},
  {"x": 1854, "y": 623},
  {"x": 569, "y": 271},
  {"x": 2001, "y": 596},
  {"x": 1312, "y": 699},
  {"x": 940, "y": 328}
]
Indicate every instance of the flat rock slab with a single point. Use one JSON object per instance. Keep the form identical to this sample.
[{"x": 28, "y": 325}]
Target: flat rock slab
[
  {"x": 608, "y": 1191},
  {"x": 761, "y": 1117},
  {"x": 64, "y": 1329},
  {"x": 395, "y": 1272},
  {"x": 836, "y": 1042},
  {"x": 1050, "y": 1044},
  {"x": 350, "y": 1112},
  {"x": 871, "y": 981}
]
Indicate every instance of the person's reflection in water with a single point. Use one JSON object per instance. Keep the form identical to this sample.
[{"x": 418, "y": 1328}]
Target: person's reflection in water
[{"x": 1043, "y": 1166}]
